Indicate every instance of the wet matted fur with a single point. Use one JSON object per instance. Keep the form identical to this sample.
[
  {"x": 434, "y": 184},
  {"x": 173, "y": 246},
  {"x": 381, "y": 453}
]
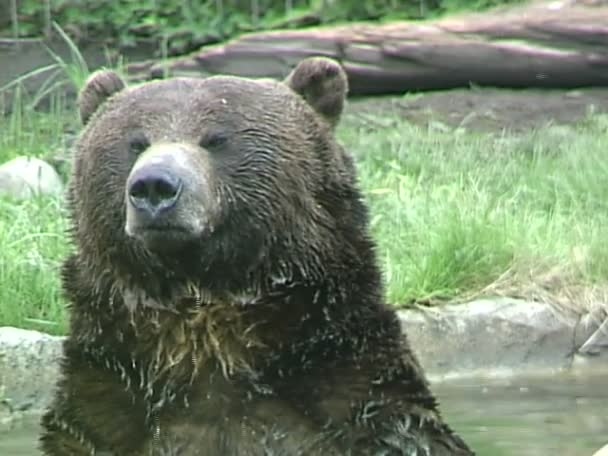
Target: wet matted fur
[{"x": 253, "y": 322}]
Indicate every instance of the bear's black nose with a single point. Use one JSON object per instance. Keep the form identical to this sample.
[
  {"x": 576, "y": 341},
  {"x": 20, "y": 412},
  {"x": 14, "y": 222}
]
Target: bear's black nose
[{"x": 154, "y": 189}]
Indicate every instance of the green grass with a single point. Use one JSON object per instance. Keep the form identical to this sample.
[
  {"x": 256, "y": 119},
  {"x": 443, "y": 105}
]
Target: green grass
[
  {"x": 32, "y": 236},
  {"x": 29, "y": 132},
  {"x": 456, "y": 214}
]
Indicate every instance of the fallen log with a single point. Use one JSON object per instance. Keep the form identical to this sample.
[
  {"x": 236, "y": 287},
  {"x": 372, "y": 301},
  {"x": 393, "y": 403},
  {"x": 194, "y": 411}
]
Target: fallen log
[{"x": 557, "y": 44}]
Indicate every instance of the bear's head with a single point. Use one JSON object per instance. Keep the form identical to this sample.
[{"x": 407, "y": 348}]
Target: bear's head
[{"x": 223, "y": 181}]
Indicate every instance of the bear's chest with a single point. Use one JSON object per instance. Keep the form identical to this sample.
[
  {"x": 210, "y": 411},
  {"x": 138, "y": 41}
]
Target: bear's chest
[
  {"x": 216, "y": 415},
  {"x": 165, "y": 360},
  {"x": 202, "y": 381},
  {"x": 254, "y": 426}
]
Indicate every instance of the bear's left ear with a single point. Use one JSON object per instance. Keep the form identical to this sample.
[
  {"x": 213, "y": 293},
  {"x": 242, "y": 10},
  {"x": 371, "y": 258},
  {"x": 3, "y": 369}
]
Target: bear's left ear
[
  {"x": 100, "y": 86},
  {"x": 323, "y": 84}
]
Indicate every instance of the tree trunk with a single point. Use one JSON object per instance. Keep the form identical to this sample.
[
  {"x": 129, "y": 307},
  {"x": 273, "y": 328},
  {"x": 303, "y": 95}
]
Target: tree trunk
[{"x": 538, "y": 45}]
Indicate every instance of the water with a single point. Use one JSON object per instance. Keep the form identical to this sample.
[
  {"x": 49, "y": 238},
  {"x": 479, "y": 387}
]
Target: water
[
  {"x": 561, "y": 415},
  {"x": 21, "y": 440},
  {"x": 564, "y": 416}
]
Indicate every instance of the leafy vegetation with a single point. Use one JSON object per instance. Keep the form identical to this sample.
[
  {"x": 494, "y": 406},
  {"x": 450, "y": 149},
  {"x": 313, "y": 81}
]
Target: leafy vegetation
[
  {"x": 458, "y": 214},
  {"x": 32, "y": 235},
  {"x": 182, "y": 25}
]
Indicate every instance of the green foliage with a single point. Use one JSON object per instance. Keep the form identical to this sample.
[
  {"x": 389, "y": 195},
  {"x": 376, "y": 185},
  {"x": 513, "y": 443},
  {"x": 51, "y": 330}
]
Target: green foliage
[
  {"x": 30, "y": 132},
  {"x": 188, "y": 22},
  {"x": 32, "y": 235},
  {"x": 456, "y": 212},
  {"x": 27, "y": 130},
  {"x": 61, "y": 73},
  {"x": 448, "y": 6}
]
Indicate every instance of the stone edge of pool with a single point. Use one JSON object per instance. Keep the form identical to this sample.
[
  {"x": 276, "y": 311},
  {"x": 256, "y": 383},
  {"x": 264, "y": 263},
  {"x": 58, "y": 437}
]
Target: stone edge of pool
[{"x": 483, "y": 338}]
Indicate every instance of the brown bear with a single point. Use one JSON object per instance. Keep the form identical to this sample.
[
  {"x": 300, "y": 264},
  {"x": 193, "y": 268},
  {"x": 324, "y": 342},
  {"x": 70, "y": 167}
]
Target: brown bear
[{"x": 224, "y": 292}]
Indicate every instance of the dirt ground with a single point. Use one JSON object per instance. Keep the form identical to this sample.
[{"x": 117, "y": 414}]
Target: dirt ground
[{"x": 486, "y": 109}]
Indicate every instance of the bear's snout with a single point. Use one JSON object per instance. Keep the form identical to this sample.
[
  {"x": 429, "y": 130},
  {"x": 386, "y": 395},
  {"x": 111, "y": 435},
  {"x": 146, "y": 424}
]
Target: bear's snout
[
  {"x": 167, "y": 202},
  {"x": 154, "y": 189}
]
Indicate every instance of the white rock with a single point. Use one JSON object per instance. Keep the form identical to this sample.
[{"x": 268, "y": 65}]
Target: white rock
[
  {"x": 24, "y": 177},
  {"x": 490, "y": 337},
  {"x": 602, "y": 452},
  {"x": 29, "y": 367}
]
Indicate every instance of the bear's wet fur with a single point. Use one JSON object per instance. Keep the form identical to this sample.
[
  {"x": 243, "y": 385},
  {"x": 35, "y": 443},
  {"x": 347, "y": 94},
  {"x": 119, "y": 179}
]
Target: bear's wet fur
[{"x": 224, "y": 292}]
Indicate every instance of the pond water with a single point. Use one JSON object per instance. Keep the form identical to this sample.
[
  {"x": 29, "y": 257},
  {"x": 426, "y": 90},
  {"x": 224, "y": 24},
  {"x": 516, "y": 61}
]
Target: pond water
[{"x": 561, "y": 415}]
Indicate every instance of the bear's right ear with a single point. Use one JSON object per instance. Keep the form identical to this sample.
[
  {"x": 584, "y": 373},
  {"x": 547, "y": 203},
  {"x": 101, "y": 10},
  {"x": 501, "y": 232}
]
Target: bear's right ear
[
  {"x": 323, "y": 84},
  {"x": 100, "y": 86}
]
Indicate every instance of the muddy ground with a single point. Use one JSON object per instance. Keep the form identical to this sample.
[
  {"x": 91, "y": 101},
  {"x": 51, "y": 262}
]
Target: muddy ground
[{"x": 487, "y": 109}]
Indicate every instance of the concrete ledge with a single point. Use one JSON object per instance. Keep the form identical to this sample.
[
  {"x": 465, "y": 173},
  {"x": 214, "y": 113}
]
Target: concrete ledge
[
  {"x": 484, "y": 338},
  {"x": 498, "y": 337},
  {"x": 29, "y": 365}
]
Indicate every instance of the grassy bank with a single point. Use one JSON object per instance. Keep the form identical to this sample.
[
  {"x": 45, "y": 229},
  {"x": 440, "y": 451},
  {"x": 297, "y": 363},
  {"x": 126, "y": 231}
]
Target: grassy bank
[
  {"x": 32, "y": 236},
  {"x": 456, "y": 214}
]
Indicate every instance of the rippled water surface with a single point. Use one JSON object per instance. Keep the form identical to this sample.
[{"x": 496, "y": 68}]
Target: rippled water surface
[{"x": 562, "y": 416}]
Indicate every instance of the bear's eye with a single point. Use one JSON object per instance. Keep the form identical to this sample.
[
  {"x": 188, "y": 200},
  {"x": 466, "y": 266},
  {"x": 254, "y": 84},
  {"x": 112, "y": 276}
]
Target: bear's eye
[
  {"x": 213, "y": 140},
  {"x": 138, "y": 143}
]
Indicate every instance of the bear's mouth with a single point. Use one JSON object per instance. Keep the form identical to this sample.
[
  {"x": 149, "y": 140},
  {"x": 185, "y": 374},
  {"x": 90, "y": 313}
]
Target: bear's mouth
[
  {"x": 163, "y": 228},
  {"x": 163, "y": 237}
]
